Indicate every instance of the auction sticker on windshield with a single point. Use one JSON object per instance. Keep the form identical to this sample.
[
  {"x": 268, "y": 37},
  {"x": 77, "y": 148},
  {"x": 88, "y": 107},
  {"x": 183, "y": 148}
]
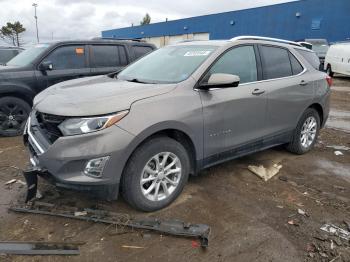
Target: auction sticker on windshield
[{"x": 197, "y": 53}]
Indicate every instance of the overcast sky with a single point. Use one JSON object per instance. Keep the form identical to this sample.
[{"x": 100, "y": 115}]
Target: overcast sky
[{"x": 71, "y": 19}]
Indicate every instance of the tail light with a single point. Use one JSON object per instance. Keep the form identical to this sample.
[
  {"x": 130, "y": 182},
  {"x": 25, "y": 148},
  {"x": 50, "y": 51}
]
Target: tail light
[{"x": 329, "y": 81}]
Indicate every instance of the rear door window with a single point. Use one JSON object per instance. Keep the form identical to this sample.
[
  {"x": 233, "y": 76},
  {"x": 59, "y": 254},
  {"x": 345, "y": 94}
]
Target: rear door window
[
  {"x": 140, "y": 51},
  {"x": 275, "y": 62},
  {"x": 106, "y": 56},
  {"x": 67, "y": 57},
  {"x": 311, "y": 57},
  {"x": 239, "y": 61}
]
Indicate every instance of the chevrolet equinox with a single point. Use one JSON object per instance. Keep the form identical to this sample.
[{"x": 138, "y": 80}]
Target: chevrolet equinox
[{"x": 142, "y": 131}]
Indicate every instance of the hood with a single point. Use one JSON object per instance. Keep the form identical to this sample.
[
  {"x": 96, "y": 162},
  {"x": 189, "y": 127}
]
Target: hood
[
  {"x": 98, "y": 95},
  {"x": 4, "y": 69}
]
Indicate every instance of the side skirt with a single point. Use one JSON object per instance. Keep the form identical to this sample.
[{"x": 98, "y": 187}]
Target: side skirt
[{"x": 245, "y": 149}]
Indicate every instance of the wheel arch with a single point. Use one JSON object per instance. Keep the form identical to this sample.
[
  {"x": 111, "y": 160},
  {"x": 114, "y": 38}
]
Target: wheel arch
[
  {"x": 174, "y": 131},
  {"x": 22, "y": 92},
  {"x": 320, "y": 112}
]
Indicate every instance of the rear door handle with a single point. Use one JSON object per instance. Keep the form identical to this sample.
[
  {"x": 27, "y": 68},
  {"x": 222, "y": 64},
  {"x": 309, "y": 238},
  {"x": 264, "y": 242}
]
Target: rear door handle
[
  {"x": 303, "y": 83},
  {"x": 258, "y": 92}
]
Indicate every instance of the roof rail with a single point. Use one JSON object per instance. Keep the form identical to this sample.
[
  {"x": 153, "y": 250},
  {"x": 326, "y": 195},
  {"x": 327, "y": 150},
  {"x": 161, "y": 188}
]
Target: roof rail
[
  {"x": 114, "y": 38},
  {"x": 266, "y": 39}
]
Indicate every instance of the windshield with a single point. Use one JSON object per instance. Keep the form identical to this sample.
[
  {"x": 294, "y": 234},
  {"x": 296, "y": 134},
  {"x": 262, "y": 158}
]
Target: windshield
[
  {"x": 170, "y": 64},
  {"x": 27, "y": 56}
]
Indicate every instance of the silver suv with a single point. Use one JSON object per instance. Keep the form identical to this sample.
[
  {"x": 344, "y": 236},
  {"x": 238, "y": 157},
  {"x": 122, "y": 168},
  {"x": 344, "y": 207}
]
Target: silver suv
[{"x": 174, "y": 112}]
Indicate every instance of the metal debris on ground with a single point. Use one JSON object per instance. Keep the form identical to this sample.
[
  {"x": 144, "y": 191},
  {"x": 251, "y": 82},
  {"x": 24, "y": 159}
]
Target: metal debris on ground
[
  {"x": 337, "y": 231},
  {"x": 265, "y": 173},
  {"x": 39, "y": 248},
  {"x": 171, "y": 227}
]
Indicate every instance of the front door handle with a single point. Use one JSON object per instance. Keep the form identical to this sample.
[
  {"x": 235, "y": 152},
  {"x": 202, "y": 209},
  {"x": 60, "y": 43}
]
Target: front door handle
[
  {"x": 303, "y": 83},
  {"x": 258, "y": 92}
]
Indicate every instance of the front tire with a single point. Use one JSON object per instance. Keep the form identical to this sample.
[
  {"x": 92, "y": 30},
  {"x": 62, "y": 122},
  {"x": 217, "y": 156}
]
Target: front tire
[
  {"x": 306, "y": 132},
  {"x": 329, "y": 71},
  {"x": 13, "y": 115},
  {"x": 156, "y": 174}
]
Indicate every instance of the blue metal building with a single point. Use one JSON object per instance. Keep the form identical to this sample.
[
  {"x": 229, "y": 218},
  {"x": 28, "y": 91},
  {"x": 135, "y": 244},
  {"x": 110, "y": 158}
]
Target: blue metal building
[{"x": 329, "y": 19}]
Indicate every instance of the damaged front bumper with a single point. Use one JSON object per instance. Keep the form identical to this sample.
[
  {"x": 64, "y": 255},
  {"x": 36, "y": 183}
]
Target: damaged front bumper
[{"x": 64, "y": 161}]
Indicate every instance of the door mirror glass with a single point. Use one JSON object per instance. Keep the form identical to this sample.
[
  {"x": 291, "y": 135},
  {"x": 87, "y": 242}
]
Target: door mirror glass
[
  {"x": 221, "y": 80},
  {"x": 46, "y": 66}
]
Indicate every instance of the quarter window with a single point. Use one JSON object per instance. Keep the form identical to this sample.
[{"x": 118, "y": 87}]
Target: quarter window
[
  {"x": 140, "y": 51},
  {"x": 297, "y": 68},
  {"x": 67, "y": 57},
  {"x": 239, "y": 61},
  {"x": 275, "y": 61},
  {"x": 311, "y": 57}
]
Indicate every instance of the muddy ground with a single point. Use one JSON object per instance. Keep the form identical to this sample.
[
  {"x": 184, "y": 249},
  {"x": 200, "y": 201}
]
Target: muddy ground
[{"x": 251, "y": 220}]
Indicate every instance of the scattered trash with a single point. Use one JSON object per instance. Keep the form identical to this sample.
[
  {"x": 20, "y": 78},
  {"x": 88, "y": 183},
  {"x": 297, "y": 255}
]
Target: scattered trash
[
  {"x": 21, "y": 182},
  {"x": 293, "y": 222},
  {"x": 12, "y": 181},
  {"x": 132, "y": 247},
  {"x": 302, "y": 212},
  {"x": 195, "y": 244},
  {"x": 39, "y": 248},
  {"x": 283, "y": 178},
  {"x": 337, "y": 231},
  {"x": 281, "y": 207},
  {"x": 343, "y": 148},
  {"x": 171, "y": 227},
  {"x": 338, "y": 153},
  {"x": 80, "y": 213},
  {"x": 265, "y": 173}
]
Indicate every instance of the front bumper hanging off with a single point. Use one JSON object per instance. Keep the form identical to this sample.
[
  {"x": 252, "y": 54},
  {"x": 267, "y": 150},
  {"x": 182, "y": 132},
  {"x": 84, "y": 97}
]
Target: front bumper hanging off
[{"x": 31, "y": 177}]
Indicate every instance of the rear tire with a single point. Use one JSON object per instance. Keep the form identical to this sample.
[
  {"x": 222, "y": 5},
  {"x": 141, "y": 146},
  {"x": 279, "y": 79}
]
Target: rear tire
[
  {"x": 306, "y": 133},
  {"x": 13, "y": 115},
  {"x": 156, "y": 174},
  {"x": 329, "y": 71}
]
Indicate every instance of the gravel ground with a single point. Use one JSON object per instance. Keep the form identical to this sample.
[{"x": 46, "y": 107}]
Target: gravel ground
[{"x": 251, "y": 220}]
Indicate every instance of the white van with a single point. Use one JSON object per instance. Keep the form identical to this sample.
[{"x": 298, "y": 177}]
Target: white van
[{"x": 338, "y": 59}]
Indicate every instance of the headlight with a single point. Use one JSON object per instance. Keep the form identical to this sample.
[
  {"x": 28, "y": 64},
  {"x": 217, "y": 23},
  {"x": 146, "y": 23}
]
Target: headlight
[{"x": 77, "y": 126}]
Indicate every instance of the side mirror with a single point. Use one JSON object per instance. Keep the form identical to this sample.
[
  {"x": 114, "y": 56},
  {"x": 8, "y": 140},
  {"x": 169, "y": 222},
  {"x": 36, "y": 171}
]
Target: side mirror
[
  {"x": 46, "y": 66},
  {"x": 221, "y": 81}
]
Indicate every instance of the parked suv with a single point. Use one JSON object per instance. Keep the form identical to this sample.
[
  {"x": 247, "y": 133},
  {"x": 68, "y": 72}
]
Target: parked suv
[
  {"x": 176, "y": 111},
  {"x": 8, "y": 52},
  {"x": 39, "y": 67}
]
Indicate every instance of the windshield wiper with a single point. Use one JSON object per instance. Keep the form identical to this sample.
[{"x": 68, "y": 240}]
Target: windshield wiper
[{"x": 135, "y": 80}]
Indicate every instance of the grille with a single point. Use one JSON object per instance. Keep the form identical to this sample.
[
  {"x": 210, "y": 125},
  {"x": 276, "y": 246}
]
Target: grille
[{"x": 49, "y": 125}]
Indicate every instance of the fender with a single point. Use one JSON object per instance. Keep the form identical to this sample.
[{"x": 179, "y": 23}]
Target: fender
[{"x": 197, "y": 139}]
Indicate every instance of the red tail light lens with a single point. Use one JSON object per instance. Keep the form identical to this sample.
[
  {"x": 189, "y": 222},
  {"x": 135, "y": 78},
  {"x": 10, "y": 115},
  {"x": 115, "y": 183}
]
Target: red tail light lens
[{"x": 329, "y": 81}]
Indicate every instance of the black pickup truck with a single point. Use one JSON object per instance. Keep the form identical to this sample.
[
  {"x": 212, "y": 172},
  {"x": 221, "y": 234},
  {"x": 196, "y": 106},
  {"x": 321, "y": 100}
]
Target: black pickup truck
[{"x": 44, "y": 65}]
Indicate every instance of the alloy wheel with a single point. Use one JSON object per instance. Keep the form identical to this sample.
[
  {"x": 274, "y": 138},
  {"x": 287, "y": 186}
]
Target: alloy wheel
[
  {"x": 308, "y": 132},
  {"x": 160, "y": 176}
]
